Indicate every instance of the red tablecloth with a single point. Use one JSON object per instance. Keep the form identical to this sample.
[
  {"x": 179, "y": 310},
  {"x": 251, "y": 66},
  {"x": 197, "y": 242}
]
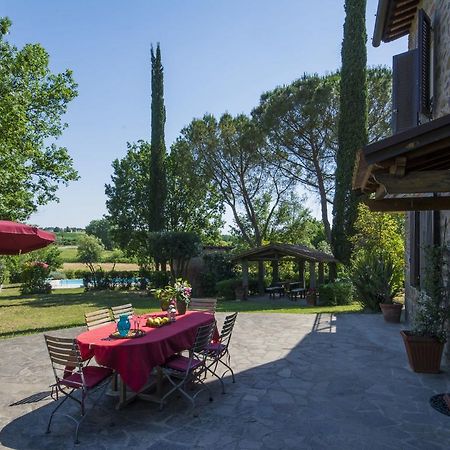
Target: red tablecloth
[{"x": 134, "y": 359}]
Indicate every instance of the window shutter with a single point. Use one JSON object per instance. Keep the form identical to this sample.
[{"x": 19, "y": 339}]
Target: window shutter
[
  {"x": 424, "y": 47},
  {"x": 404, "y": 91}
]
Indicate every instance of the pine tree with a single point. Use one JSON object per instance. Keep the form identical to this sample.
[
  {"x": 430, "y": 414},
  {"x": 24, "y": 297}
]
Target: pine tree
[
  {"x": 158, "y": 181},
  {"x": 352, "y": 127}
]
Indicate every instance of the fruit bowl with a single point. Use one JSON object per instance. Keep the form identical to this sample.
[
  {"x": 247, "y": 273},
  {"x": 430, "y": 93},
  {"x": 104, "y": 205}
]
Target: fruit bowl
[{"x": 156, "y": 322}]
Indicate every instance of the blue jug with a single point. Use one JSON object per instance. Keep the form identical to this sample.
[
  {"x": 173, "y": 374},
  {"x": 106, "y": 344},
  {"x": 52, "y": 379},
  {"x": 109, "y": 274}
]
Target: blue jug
[{"x": 123, "y": 325}]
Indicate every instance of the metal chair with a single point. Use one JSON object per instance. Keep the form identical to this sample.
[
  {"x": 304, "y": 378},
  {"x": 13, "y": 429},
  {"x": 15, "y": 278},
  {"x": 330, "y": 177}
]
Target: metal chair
[
  {"x": 72, "y": 374},
  {"x": 118, "y": 311},
  {"x": 97, "y": 318},
  {"x": 218, "y": 352},
  {"x": 182, "y": 371},
  {"x": 203, "y": 304}
]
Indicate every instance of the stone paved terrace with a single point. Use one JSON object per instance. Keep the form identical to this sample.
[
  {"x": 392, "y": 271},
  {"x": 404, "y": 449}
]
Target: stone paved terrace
[{"x": 303, "y": 382}]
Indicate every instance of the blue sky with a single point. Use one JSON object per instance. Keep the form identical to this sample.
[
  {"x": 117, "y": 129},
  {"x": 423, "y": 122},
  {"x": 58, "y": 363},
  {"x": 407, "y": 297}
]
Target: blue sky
[{"x": 218, "y": 56}]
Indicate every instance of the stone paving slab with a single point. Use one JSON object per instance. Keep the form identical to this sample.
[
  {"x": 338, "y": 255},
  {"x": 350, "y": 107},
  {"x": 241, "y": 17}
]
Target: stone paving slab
[{"x": 302, "y": 382}]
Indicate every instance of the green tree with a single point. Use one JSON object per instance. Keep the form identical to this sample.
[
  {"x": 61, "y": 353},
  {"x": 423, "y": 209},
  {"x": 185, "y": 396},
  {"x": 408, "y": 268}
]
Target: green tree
[
  {"x": 90, "y": 250},
  {"x": 300, "y": 122},
  {"x": 380, "y": 234},
  {"x": 101, "y": 228},
  {"x": 352, "y": 129},
  {"x": 193, "y": 203},
  {"x": 177, "y": 248},
  {"x": 233, "y": 155},
  {"x": 32, "y": 102},
  {"x": 158, "y": 181},
  {"x": 127, "y": 201}
]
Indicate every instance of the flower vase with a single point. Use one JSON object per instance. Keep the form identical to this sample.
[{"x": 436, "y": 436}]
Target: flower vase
[
  {"x": 123, "y": 325},
  {"x": 181, "y": 307}
]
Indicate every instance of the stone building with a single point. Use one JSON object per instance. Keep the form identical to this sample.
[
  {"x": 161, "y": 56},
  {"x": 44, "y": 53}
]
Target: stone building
[{"x": 409, "y": 171}]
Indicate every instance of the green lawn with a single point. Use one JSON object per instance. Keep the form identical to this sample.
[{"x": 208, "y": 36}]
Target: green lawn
[
  {"x": 65, "y": 308},
  {"x": 69, "y": 254}
]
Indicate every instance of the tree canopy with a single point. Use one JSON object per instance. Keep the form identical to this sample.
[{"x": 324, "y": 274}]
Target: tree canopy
[
  {"x": 101, "y": 228},
  {"x": 32, "y": 103},
  {"x": 127, "y": 199},
  {"x": 193, "y": 203},
  {"x": 300, "y": 122}
]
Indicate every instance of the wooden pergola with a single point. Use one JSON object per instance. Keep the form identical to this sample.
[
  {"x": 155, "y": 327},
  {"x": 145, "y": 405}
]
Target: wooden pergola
[
  {"x": 409, "y": 171},
  {"x": 299, "y": 253}
]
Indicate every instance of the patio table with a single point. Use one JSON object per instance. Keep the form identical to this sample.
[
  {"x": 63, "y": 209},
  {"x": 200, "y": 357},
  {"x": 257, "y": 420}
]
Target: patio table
[{"x": 134, "y": 359}]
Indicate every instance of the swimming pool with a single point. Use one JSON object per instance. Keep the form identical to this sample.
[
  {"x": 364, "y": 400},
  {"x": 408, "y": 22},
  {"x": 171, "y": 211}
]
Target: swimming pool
[{"x": 67, "y": 284}]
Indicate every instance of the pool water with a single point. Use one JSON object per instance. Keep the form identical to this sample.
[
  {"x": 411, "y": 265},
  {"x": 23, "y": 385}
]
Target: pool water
[{"x": 73, "y": 283}]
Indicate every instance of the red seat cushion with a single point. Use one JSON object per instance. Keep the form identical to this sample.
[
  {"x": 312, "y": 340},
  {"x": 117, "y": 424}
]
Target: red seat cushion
[
  {"x": 181, "y": 363},
  {"x": 93, "y": 375}
]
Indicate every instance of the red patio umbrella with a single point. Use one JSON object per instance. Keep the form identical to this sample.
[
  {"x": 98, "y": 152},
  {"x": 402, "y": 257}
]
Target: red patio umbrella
[{"x": 16, "y": 238}]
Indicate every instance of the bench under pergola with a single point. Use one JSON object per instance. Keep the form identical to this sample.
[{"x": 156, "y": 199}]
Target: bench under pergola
[{"x": 299, "y": 253}]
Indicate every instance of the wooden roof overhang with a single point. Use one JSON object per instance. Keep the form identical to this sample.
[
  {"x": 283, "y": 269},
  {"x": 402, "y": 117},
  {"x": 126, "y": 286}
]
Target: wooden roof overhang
[
  {"x": 394, "y": 19},
  {"x": 409, "y": 171},
  {"x": 274, "y": 252}
]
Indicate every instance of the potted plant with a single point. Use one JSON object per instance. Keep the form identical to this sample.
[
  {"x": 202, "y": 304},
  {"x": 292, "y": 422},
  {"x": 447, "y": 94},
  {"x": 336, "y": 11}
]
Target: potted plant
[
  {"x": 425, "y": 342},
  {"x": 165, "y": 296},
  {"x": 376, "y": 281},
  {"x": 311, "y": 297},
  {"x": 183, "y": 292}
]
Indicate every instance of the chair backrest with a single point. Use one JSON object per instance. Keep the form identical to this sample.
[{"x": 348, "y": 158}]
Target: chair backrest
[
  {"x": 97, "y": 318},
  {"x": 118, "y": 311},
  {"x": 65, "y": 358},
  {"x": 202, "y": 340},
  {"x": 227, "y": 329},
  {"x": 203, "y": 304}
]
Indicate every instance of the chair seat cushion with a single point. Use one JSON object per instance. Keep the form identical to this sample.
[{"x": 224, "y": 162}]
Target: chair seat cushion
[
  {"x": 93, "y": 375},
  {"x": 216, "y": 347},
  {"x": 180, "y": 363}
]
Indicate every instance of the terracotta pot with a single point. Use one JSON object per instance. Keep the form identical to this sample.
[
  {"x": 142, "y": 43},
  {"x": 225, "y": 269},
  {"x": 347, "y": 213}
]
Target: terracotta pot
[
  {"x": 181, "y": 307},
  {"x": 424, "y": 352},
  {"x": 311, "y": 299},
  {"x": 391, "y": 312}
]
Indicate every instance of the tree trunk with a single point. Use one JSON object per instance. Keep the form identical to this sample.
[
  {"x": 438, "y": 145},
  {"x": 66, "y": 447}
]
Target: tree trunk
[{"x": 323, "y": 201}]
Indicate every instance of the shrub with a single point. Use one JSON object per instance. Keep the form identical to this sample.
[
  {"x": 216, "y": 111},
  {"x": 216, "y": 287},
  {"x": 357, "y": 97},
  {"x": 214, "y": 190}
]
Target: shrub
[
  {"x": 375, "y": 280},
  {"x": 159, "y": 279},
  {"x": 218, "y": 267},
  {"x": 208, "y": 283},
  {"x": 337, "y": 293},
  {"x": 56, "y": 275},
  {"x": 34, "y": 277},
  {"x": 225, "y": 288},
  {"x": 70, "y": 273}
]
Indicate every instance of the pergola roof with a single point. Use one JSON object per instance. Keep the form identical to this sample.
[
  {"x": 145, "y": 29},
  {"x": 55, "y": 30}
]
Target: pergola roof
[
  {"x": 394, "y": 19},
  {"x": 414, "y": 163},
  {"x": 273, "y": 252}
]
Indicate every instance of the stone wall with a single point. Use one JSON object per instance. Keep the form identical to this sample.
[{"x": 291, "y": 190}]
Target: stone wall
[{"x": 439, "y": 13}]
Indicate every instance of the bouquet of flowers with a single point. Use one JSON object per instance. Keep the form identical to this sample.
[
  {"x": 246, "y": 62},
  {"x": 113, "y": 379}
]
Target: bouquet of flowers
[{"x": 183, "y": 291}]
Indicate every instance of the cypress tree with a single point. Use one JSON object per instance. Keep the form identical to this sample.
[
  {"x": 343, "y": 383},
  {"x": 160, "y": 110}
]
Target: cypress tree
[
  {"x": 352, "y": 125},
  {"x": 158, "y": 181}
]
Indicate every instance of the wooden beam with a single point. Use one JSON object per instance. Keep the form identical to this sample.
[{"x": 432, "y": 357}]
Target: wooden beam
[
  {"x": 399, "y": 166},
  {"x": 409, "y": 204},
  {"x": 415, "y": 182}
]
